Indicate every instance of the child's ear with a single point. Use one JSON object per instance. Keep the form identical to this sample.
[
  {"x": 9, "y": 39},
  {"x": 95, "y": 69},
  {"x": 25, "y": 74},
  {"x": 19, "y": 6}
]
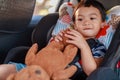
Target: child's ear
[{"x": 103, "y": 24}]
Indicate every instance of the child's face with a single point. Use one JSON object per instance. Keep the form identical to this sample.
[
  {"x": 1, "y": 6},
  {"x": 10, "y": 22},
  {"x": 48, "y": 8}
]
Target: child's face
[{"x": 88, "y": 21}]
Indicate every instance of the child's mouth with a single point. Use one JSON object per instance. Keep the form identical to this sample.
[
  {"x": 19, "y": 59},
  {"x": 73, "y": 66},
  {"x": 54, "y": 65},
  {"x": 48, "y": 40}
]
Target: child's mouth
[{"x": 87, "y": 28}]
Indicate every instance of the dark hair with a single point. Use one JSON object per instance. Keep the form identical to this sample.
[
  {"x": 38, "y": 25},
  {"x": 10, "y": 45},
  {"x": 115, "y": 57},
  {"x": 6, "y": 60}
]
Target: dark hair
[{"x": 94, "y": 3}]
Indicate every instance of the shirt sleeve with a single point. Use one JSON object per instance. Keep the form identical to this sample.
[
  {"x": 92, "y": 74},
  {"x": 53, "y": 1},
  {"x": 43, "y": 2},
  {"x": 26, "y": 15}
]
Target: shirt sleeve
[{"x": 99, "y": 50}]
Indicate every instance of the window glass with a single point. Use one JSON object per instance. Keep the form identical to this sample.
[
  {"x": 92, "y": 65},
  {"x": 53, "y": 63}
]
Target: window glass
[{"x": 43, "y": 7}]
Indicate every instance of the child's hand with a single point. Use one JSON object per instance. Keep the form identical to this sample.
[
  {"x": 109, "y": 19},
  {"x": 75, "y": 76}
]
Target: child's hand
[
  {"x": 75, "y": 38},
  {"x": 58, "y": 37}
]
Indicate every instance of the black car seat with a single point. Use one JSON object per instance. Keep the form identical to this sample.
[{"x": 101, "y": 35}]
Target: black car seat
[{"x": 15, "y": 15}]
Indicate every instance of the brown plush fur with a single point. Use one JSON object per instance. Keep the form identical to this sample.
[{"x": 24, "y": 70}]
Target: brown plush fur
[
  {"x": 54, "y": 57},
  {"x": 32, "y": 72}
]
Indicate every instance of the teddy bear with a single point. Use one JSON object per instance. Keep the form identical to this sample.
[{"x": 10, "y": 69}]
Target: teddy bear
[
  {"x": 53, "y": 58},
  {"x": 33, "y": 72}
]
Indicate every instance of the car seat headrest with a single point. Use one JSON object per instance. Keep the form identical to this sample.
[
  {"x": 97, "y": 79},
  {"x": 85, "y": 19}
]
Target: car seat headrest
[{"x": 15, "y": 14}]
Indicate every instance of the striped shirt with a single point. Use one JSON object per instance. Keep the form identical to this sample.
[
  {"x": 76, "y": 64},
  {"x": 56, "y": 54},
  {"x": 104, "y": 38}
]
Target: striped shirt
[{"x": 98, "y": 50}]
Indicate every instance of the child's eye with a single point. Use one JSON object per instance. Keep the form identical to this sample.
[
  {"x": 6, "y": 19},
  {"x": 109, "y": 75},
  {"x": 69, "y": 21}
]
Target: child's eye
[
  {"x": 80, "y": 19},
  {"x": 92, "y": 18}
]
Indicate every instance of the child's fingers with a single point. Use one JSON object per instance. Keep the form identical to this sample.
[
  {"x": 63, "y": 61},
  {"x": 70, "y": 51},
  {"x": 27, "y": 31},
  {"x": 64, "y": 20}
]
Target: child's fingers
[
  {"x": 61, "y": 33},
  {"x": 58, "y": 38},
  {"x": 73, "y": 32}
]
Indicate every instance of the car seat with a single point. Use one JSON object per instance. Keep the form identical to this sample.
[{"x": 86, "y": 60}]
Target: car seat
[{"x": 15, "y": 15}]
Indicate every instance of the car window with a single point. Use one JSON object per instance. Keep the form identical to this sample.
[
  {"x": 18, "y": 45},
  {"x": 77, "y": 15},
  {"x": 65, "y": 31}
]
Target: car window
[{"x": 44, "y": 7}]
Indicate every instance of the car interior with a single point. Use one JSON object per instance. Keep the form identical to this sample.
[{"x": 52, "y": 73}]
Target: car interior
[{"x": 18, "y": 32}]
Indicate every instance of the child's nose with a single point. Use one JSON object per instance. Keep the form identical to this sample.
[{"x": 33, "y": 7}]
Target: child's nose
[{"x": 86, "y": 22}]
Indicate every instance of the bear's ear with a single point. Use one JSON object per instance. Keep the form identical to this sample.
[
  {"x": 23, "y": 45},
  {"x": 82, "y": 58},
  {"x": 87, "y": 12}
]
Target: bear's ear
[
  {"x": 11, "y": 77},
  {"x": 31, "y": 54}
]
